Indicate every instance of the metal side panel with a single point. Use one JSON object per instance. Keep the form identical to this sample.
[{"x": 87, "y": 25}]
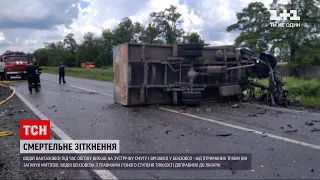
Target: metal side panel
[
  {"x": 232, "y": 90},
  {"x": 120, "y": 77}
]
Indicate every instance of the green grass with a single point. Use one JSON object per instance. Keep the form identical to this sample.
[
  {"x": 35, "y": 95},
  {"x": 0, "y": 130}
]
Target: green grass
[
  {"x": 98, "y": 74},
  {"x": 307, "y": 89}
]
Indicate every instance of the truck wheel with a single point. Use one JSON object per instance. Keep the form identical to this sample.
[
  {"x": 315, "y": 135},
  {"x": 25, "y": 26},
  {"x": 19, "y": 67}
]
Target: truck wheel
[
  {"x": 191, "y": 102},
  {"x": 190, "y": 47},
  {"x": 191, "y": 95},
  {"x": 190, "y": 53}
]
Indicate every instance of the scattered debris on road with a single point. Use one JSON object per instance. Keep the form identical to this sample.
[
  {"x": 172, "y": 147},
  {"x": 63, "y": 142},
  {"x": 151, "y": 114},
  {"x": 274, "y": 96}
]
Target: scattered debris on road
[
  {"x": 51, "y": 107},
  {"x": 167, "y": 131},
  {"x": 182, "y": 109},
  {"x": 291, "y": 131},
  {"x": 309, "y": 123},
  {"x": 289, "y": 126},
  {"x": 263, "y": 111},
  {"x": 208, "y": 110},
  {"x": 252, "y": 115},
  {"x": 235, "y": 106},
  {"x": 314, "y": 130},
  {"x": 152, "y": 175},
  {"x": 271, "y": 149},
  {"x": 224, "y": 135}
]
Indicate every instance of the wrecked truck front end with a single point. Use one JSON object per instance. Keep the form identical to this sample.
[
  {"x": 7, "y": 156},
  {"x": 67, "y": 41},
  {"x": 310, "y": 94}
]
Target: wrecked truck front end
[{"x": 188, "y": 73}]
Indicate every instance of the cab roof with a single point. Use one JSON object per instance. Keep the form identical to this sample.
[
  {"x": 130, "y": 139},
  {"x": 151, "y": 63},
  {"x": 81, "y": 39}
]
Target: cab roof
[{"x": 14, "y": 53}]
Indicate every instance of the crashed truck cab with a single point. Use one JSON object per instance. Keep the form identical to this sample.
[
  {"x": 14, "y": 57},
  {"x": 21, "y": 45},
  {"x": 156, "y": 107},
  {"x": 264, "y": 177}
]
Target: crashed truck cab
[
  {"x": 187, "y": 73},
  {"x": 14, "y": 64}
]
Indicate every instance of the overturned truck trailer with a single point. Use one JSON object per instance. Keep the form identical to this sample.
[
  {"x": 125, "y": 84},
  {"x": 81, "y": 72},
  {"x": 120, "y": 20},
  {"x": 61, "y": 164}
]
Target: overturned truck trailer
[{"x": 190, "y": 73}]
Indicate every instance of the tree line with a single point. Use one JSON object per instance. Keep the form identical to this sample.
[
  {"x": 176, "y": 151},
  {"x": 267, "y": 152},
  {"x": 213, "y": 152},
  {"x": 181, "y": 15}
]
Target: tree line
[
  {"x": 300, "y": 46},
  {"x": 163, "y": 28}
]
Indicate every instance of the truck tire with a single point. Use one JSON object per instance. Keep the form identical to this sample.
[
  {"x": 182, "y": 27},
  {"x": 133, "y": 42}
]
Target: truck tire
[
  {"x": 191, "y": 102},
  {"x": 191, "y": 95},
  {"x": 190, "y": 53},
  {"x": 190, "y": 47}
]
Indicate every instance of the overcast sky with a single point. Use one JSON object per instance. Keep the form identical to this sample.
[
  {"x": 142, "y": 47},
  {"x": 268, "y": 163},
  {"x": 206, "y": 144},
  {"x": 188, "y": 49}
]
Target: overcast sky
[{"x": 26, "y": 24}]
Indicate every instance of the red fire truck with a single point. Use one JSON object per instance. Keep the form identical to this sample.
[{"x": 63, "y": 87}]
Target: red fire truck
[{"x": 13, "y": 64}]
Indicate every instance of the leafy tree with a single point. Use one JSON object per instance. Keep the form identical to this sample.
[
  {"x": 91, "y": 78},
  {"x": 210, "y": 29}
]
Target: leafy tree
[
  {"x": 193, "y": 38},
  {"x": 167, "y": 23},
  {"x": 109, "y": 41},
  {"x": 127, "y": 31},
  {"x": 149, "y": 34},
  {"x": 298, "y": 45},
  {"x": 253, "y": 22},
  {"x": 70, "y": 43},
  {"x": 300, "y": 40},
  {"x": 41, "y": 55}
]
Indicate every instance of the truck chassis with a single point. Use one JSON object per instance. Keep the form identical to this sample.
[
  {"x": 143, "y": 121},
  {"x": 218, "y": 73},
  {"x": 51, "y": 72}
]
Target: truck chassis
[{"x": 190, "y": 73}]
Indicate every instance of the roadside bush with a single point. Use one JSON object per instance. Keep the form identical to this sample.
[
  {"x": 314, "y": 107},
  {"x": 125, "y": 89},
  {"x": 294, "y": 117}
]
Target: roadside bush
[
  {"x": 307, "y": 89},
  {"x": 104, "y": 67}
]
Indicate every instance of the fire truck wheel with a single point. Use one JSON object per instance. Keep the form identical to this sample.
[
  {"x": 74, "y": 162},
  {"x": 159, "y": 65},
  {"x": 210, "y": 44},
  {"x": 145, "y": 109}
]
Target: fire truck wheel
[
  {"x": 191, "y": 102},
  {"x": 191, "y": 95}
]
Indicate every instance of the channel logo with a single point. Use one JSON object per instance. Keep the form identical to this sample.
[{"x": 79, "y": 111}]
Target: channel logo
[{"x": 34, "y": 129}]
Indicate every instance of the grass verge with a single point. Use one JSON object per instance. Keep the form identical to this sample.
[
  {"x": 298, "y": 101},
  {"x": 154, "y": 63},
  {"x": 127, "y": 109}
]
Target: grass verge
[
  {"x": 307, "y": 89},
  {"x": 98, "y": 74}
]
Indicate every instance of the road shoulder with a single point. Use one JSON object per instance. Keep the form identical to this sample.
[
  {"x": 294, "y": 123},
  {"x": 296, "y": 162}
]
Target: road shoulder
[{"x": 11, "y": 113}]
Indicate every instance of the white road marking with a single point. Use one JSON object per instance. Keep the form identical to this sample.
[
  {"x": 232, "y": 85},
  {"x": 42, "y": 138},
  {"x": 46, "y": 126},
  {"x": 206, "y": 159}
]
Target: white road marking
[
  {"x": 103, "y": 174},
  {"x": 245, "y": 129},
  {"x": 90, "y": 90},
  {"x": 282, "y": 109},
  {"x": 81, "y": 88}
]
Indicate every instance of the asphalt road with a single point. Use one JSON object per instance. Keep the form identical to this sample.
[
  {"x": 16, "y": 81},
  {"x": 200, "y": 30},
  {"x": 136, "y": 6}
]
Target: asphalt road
[{"x": 84, "y": 109}]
